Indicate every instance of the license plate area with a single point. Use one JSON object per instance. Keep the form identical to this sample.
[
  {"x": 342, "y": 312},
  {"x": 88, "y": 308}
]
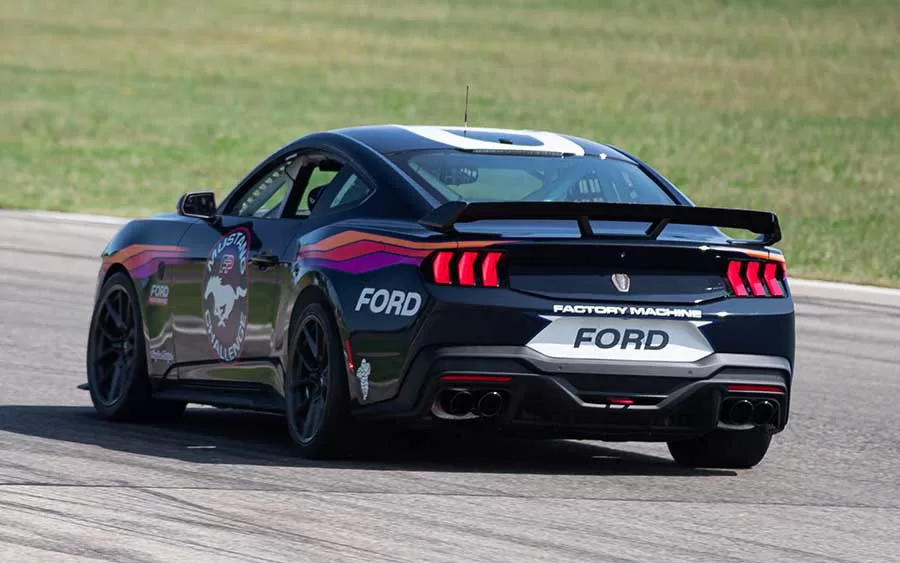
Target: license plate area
[{"x": 616, "y": 339}]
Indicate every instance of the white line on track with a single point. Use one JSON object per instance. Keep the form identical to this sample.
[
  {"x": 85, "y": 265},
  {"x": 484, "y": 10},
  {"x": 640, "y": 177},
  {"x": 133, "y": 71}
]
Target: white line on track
[
  {"x": 64, "y": 217},
  {"x": 838, "y": 286}
]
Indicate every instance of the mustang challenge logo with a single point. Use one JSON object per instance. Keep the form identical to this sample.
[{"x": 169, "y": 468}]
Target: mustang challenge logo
[{"x": 225, "y": 294}]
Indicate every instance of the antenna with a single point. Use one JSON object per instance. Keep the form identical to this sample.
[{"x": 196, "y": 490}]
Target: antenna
[{"x": 466, "y": 114}]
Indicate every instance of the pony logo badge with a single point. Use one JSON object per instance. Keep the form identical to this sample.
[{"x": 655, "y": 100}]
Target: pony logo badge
[
  {"x": 622, "y": 282},
  {"x": 225, "y": 294}
]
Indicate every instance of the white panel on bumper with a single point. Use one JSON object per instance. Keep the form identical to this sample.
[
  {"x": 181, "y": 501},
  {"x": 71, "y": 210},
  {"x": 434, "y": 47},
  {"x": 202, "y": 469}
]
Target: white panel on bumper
[{"x": 640, "y": 340}]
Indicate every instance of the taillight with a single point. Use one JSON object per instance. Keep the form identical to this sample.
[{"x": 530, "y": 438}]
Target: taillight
[
  {"x": 441, "y": 267},
  {"x": 756, "y": 285},
  {"x": 753, "y": 278},
  {"x": 734, "y": 279},
  {"x": 770, "y": 274},
  {"x": 489, "y": 275},
  {"x": 469, "y": 268},
  {"x": 466, "y": 268}
]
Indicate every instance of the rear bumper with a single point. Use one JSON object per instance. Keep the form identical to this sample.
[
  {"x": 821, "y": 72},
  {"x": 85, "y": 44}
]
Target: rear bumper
[{"x": 609, "y": 400}]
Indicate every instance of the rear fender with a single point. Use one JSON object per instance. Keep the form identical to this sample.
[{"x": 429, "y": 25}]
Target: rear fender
[
  {"x": 317, "y": 282},
  {"x": 378, "y": 315}
]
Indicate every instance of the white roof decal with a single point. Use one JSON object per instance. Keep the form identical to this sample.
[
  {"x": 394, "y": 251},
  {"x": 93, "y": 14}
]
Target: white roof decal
[{"x": 452, "y": 136}]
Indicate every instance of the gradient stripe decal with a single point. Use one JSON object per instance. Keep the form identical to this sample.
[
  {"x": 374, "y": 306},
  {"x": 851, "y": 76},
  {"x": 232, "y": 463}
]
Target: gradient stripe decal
[
  {"x": 367, "y": 263},
  {"x": 361, "y": 248},
  {"x": 357, "y": 252},
  {"x": 347, "y": 237},
  {"x": 143, "y": 260}
]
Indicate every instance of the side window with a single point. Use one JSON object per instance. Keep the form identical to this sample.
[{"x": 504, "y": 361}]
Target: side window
[
  {"x": 266, "y": 197},
  {"x": 320, "y": 176},
  {"x": 353, "y": 190}
]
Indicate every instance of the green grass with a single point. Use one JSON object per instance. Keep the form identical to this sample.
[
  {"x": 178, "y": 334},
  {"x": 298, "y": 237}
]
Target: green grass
[{"x": 791, "y": 105}]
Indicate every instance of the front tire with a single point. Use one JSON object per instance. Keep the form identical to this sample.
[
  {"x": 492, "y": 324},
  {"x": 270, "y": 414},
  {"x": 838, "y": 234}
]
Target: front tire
[
  {"x": 315, "y": 386},
  {"x": 723, "y": 449},
  {"x": 116, "y": 358}
]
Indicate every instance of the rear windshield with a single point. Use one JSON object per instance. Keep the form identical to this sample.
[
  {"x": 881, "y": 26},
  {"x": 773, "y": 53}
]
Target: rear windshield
[{"x": 456, "y": 175}]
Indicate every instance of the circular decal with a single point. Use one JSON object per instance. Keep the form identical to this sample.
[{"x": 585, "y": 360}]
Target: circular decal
[{"x": 225, "y": 294}]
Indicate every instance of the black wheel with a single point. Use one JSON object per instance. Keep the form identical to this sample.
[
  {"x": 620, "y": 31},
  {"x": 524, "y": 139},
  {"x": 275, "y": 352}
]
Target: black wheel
[
  {"x": 722, "y": 449},
  {"x": 116, "y": 358},
  {"x": 315, "y": 387}
]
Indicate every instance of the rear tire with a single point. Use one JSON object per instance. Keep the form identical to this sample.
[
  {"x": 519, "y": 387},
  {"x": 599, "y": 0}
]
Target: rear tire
[
  {"x": 722, "y": 449},
  {"x": 315, "y": 385},
  {"x": 116, "y": 358}
]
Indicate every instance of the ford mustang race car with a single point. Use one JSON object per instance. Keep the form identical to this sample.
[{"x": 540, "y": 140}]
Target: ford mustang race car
[{"x": 518, "y": 282}]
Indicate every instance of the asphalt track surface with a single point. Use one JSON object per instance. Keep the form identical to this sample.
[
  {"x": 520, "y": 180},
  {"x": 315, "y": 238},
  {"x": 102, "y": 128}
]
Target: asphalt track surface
[{"x": 226, "y": 486}]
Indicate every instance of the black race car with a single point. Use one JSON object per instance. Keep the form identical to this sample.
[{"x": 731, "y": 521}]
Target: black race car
[{"x": 519, "y": 282}]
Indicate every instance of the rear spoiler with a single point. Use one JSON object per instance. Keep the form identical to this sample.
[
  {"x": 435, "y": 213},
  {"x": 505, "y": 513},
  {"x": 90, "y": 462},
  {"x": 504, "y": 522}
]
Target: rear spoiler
[{"x": 763, "y": 223}]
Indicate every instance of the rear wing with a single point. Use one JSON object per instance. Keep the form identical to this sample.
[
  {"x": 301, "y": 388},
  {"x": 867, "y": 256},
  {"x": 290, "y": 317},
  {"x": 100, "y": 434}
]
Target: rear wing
[{"x": 763, "y": 223}]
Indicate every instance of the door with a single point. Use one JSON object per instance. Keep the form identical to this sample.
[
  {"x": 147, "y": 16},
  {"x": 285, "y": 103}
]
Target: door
[
  {"x": 229, "y": 292},
  {"x": 239, "y": 274}
]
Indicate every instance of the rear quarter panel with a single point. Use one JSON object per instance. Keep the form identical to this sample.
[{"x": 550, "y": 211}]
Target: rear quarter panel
[{"x": 372, "y": 277}]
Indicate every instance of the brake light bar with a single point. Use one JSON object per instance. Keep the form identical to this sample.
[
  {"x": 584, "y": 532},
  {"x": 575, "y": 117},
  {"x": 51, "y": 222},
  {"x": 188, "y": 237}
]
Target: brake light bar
[
  {"x": 755, "y": 278},
  {"x": 467, "y": 378},
  {"x": 468, "y": 268},
  {"x": 620, "y": 401},
  {"x": 753, "y": 388}
]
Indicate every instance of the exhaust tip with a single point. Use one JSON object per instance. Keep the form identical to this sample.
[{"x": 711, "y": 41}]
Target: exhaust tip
[
  {"x": 458, "y": 403},
  {"x": 490, "y": 404},
  {"x": 765, "y": 412},
  {"x": 741, "y": 412}
]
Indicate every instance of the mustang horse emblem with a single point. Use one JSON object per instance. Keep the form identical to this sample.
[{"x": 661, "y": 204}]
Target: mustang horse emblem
[
  {"x": 224, "y": 297},
  {"x": 622, "y": 282}
]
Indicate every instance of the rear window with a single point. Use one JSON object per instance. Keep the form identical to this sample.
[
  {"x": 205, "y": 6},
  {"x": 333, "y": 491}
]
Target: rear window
[{"x": 470, "y": 176}]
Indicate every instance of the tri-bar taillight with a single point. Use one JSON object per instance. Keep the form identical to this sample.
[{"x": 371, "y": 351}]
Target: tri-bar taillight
[
  {"x": 466, "y": 267},
  {"x": 756, "y": 278}
]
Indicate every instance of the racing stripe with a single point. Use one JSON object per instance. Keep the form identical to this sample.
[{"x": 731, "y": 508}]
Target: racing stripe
[
  {"x": 142, "y": 260},
  {"x": 358, "y": 252},
  {"x": 134, "y": 249},
  {"x": 367, "y": 262},
  {"x": 359, "y": 248},
  {"x": 551, "y": 142},
  {"x": 347, "y": 237}
]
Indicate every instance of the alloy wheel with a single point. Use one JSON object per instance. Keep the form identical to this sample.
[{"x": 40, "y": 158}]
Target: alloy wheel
[
  {"x": 309, "y": 379},
  {"x": 114, "y": 345}
]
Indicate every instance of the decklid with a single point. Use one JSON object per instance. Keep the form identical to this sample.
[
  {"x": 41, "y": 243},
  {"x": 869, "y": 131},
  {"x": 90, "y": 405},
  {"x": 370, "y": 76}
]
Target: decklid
[{"x": 443, "y": 218}]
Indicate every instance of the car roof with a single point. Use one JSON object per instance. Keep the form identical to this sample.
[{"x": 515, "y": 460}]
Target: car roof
[{"x": 387, "y": 139}]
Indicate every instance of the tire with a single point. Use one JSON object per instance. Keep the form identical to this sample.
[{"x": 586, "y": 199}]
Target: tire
[
  {"x": 315, "y": 385},
  {"x": 116, "y": 358},
  {"x": 722, "y": 449}
]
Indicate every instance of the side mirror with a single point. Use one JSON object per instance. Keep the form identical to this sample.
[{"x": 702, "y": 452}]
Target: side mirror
[
  {"x": 314, "y": 196},
  {"x": 198, "y": 204}
]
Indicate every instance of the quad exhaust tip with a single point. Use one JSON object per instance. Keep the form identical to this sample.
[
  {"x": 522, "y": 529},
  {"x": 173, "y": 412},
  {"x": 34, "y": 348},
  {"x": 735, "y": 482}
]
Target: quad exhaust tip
[
  {"x": 743, "y": 411},
  {"x": 460, "y": 404},
  {"x": 764, "y": 412},
  {"x": 490, "y": 404}
]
